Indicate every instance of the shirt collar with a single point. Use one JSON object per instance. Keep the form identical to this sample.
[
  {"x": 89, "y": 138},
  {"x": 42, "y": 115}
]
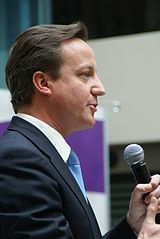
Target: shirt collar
[{"x": 53, "y": 135}]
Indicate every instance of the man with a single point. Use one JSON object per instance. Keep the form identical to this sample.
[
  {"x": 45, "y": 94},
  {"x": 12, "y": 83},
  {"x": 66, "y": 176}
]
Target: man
[{"x": 51, "y": 74}]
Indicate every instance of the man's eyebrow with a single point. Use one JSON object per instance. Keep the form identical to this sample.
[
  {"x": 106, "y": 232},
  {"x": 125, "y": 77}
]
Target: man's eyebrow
[{"x": 90, "y": 67}]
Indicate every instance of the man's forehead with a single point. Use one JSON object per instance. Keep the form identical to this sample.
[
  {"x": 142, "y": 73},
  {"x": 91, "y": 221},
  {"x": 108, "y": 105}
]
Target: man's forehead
[
  {"x": 75, "y": 44},
  {"x": 78, "y": 53}
]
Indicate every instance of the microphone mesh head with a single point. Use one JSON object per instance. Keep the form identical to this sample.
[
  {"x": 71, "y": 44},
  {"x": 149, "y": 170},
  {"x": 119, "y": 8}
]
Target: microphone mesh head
[{"x": 133, "y": 154}]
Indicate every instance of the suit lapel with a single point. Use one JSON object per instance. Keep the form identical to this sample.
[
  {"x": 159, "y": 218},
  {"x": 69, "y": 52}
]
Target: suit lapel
[{"x": 42, "y": 142}]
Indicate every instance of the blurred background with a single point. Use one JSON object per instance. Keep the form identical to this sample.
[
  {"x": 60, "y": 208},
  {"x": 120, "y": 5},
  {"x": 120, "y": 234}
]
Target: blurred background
[{"x": 126, "y": 39}]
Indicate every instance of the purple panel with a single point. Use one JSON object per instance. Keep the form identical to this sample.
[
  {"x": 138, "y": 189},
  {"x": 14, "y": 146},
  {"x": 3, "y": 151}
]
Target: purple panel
[
  {"x": 88, "y": 145},
  {"x": 3, "y": 127}
]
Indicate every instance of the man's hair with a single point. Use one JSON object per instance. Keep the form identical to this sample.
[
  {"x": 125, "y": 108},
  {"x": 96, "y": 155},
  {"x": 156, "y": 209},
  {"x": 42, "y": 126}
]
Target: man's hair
[{"x": 37, "y": 49}]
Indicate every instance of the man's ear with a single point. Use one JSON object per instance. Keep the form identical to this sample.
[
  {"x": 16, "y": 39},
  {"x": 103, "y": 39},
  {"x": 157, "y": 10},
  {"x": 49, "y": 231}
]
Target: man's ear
[{"x": 41, "y": 83}]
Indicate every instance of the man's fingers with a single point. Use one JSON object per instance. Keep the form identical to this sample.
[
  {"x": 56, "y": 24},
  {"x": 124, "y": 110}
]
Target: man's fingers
[
  {"x": 155, "y": 193},
  {"x": 139, "y": 190},
  {"x": 152, "y": 187},
  {"x": 151, "y": 211},
  {"x": 155, "y": 181}
]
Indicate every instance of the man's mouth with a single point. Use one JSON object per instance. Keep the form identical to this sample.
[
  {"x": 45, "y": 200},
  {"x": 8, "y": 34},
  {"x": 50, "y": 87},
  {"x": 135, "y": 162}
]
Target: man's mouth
[{"x": 93, "y": 107}]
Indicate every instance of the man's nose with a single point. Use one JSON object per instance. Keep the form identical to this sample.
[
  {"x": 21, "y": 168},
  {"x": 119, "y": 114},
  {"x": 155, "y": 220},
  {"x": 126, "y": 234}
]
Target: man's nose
[{"x": 98, "y": 88}]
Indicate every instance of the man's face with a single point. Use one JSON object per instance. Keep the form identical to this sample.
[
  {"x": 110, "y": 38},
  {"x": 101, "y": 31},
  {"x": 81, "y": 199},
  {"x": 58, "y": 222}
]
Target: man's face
[{"x": 75, "y": 92}]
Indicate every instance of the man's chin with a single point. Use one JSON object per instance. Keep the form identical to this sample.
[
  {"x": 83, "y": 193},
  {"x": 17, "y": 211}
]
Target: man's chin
[
  {"x": 90, "y": 124},
  {"x": 87, "y": 124}
]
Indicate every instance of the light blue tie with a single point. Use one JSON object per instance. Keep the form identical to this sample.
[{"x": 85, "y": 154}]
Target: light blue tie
[{"x": 75, "y": 168}]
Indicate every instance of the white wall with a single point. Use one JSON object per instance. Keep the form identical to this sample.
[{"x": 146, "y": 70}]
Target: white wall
[
  {"x": 129, "y": 67},
  {"x": 6, "y": 110}
]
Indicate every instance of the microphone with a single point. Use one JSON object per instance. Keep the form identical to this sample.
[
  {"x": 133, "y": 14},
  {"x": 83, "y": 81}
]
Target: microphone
[{"x": 134, "y": 156}]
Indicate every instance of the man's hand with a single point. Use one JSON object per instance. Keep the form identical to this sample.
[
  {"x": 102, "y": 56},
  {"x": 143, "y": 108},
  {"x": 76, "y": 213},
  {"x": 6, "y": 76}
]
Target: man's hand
[
  {"x": 150, "y": 230},
  {"x": 138, "y": 205}
]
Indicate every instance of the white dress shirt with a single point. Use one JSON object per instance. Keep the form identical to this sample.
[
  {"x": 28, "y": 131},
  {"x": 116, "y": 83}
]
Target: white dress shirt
[{"x": 54, "y": 136}]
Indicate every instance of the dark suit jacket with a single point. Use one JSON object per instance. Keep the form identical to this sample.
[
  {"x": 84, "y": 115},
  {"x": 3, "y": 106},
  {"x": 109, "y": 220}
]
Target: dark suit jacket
[{"x": 39, "y": 197}]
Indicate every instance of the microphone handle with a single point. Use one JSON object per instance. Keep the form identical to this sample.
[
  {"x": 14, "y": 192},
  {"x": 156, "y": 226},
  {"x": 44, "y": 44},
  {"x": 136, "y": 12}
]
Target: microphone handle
[{"x": 141, "y": 172}]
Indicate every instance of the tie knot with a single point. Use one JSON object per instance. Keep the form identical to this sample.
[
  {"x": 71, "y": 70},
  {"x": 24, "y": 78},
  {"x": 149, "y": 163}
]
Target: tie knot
[{"x": 73, "y": 159}]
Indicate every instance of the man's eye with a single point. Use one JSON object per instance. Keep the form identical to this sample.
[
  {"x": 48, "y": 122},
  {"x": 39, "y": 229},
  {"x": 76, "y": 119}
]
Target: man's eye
[{"x": 86, "y": 74}]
